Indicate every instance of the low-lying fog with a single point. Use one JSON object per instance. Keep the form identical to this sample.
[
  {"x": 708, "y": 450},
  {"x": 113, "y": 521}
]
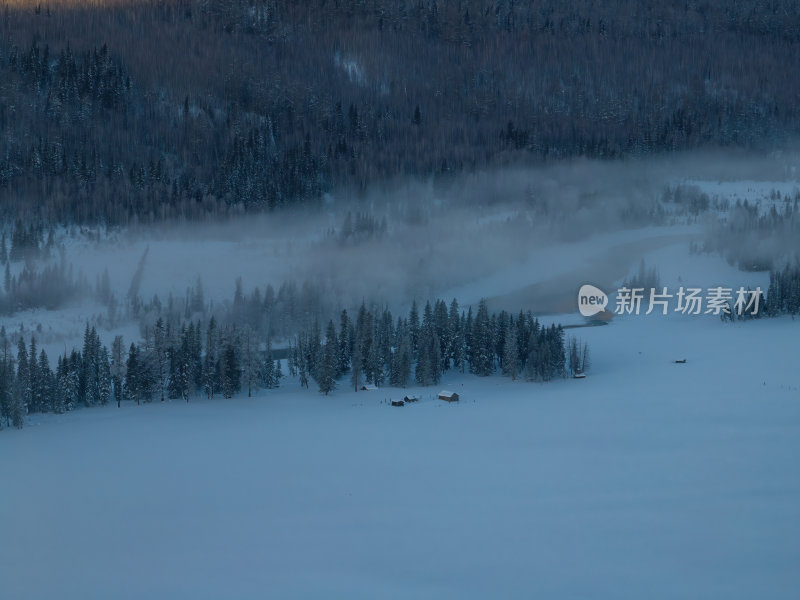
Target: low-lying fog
[{"x": 530, "y": 235}]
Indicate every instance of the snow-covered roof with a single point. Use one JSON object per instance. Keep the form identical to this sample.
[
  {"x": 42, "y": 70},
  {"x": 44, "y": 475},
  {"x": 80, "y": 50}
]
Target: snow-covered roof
[{"x": 446, "y": 393}]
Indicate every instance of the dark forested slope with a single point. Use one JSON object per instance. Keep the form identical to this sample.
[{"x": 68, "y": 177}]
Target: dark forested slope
[{"x": 121, "y": 111}]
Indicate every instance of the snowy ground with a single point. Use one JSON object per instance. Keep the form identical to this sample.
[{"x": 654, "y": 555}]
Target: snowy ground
[{"x": 648, "y": 479}]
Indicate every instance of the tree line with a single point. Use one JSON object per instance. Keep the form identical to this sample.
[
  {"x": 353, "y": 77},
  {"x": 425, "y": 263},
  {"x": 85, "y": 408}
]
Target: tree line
[
  {"x": 225, "y": 359},
  {"x": 375, "y": 349},
  {"x": 165, "y": 364},
  {"x": 783, "y": 293}
]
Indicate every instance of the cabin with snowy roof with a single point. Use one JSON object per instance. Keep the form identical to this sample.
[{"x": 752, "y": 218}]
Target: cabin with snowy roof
[{"x": 448, "y": 396}]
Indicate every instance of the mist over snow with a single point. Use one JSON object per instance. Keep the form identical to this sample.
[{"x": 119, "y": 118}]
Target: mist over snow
[{"x": 438, "y": 237}]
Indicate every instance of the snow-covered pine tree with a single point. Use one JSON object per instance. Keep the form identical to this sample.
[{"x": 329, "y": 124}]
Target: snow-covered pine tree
[
  {"x": 453, "y": 334},
  {"x": 428, "y": 370},
  {"x": 345, "y": 349},
  {"x": 511, "y": 352},
  {"x": 45, "y": 385},
  {"x": 481, "y": 352},
  {"x": 72, "y": 367},
  {"x": 413, "y": 325},
  {"x": 185, "y": 365},
  {"x": 440, "y": 324},
  {"x": 374, "y": 367},
  {"x": 532, "y": 360},
  {"x": 301, "y": 360},
  {"x": 329, "y": 362},
  {"x": 60, "y": 387},
  {"x": 22, "y": 392},
  {"x": 355, "y": 365},
  {"x": 36, "y": 381},
  {"x": 558, "y": 364},
  {"x": 132, "y": 388},
  {"x": 195, "y": 357},
  {"x": 231, "y": 371},
  {"x": 83, "y": 374},
  {"x": 314, "y": 349},
  {"x": 252, "y": 362},
  {"x": 266, "y": 367},
  {"x": 209, "y": 376},
  {"x": 117, "y": 368},
  {"x": 401, "y": 359},
  {"x": 6, "y": 378},
  {"x": 161, "y": 358},
  {"x": 385, "y": 335}
]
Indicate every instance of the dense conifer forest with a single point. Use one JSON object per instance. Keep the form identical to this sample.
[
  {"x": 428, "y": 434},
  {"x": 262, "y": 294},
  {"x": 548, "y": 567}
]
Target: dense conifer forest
[{"x": 125, "y": 112}]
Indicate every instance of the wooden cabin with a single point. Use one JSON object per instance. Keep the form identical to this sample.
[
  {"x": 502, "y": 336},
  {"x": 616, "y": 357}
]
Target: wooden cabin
[
  {"x": 368, "y": 387},
  {"x": 448, "y": 396},
  {"x": 398, "y": 403},
  {"x": 410, "y": 399}
]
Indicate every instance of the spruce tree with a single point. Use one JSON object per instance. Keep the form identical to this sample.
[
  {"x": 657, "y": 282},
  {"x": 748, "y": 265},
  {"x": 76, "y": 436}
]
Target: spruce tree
[
  {"x": 401, "y": 360},
  {"x": 329, "y": 361},
  {"x": 231, "y": 377},
  {"x": 210, "y": 360},
  {"x": 45, "y": 386},
  {"x": 60, "y": 387},
  {"x": 22, "y": 391},
  {"x": 344, "y": 344},
  {"x": 35, "y": 379},
  {"x": 133, "y": 389},
  {"x": 267, "y": 368},
  {"x": 6, "y": 378},
  {"x": 117, "y": 368},
  {"x": 510, "y": 353},
  {"x": 161, "y": 357},
  {"x": 481, "y": 357}
]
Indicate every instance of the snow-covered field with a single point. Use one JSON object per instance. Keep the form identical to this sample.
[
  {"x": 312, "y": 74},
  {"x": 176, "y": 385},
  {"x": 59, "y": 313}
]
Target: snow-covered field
[{"x": 648, "y": 479}]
